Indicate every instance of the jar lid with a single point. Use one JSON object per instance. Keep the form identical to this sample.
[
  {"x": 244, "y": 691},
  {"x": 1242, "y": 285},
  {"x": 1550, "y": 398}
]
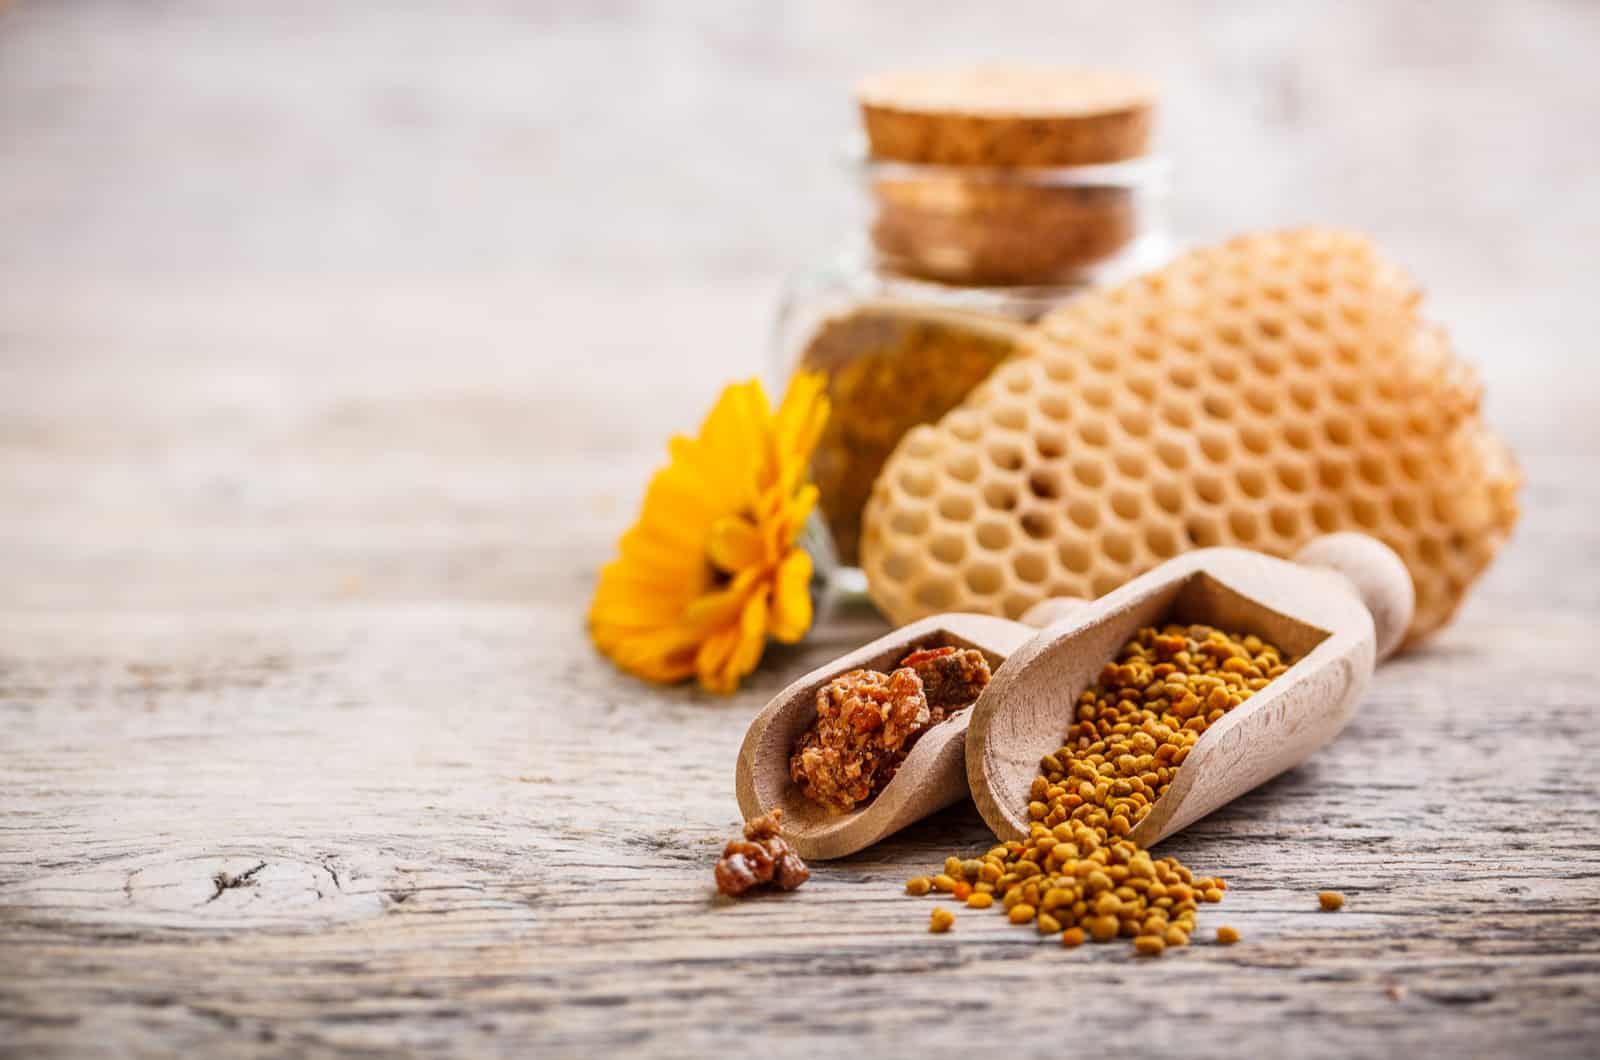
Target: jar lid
[{"x": 1007, "y": 115}]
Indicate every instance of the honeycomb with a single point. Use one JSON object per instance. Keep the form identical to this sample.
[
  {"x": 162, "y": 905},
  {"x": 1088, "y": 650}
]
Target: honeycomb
[{"x": 1257, "y": 393}]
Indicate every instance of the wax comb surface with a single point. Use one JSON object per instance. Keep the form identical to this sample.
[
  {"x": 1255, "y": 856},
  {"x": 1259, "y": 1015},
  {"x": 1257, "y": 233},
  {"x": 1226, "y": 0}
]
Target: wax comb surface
[{"x": 1256, "y": 393}]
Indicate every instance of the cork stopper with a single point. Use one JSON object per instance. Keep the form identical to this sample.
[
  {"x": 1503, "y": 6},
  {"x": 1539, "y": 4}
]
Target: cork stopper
[{"x": 1005, "y": 115}]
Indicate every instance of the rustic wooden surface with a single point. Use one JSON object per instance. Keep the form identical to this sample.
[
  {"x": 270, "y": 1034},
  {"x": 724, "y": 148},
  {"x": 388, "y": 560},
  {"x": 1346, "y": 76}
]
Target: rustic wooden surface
[{"x": 334, "y": 350}]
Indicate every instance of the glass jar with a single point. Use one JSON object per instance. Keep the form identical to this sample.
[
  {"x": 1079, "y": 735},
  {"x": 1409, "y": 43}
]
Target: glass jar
[{"x": 949, "y": 263}]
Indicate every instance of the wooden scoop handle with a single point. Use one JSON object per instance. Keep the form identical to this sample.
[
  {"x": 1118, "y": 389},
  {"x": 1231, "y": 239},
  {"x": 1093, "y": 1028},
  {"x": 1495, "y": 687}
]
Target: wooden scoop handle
[
  {"x": 1369, "y": 567},
  {"x": 1376, "y": 575}
]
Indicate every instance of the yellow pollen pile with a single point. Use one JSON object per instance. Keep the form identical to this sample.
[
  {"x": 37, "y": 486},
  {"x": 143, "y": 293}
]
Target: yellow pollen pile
[{"x": 1078, "y": 874}]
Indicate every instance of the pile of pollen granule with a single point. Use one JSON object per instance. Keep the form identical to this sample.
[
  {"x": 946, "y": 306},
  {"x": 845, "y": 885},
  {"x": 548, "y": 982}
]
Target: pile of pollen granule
[{"x": 1077, "y": 873}]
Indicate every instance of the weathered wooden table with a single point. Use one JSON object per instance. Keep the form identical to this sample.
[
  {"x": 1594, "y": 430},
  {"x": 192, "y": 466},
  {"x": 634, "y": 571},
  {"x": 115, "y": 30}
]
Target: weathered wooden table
[
  {"x": 302, "y": 743},
  {"x": 304, "y": 746}
]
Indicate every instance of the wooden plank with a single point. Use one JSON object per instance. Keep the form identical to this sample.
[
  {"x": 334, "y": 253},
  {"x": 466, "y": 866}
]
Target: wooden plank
[{"x": 321, "y": 402}]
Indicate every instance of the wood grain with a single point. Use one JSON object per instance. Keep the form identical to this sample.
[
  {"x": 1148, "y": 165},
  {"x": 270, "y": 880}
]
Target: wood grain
[{"x": 307, "y": 463}]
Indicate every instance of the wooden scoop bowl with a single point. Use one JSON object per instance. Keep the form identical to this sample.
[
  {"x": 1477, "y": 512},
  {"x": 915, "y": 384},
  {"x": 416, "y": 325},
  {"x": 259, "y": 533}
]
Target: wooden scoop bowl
[
  {"x": 1342, "y": 605},
  {"x": 932, "y": 776}
]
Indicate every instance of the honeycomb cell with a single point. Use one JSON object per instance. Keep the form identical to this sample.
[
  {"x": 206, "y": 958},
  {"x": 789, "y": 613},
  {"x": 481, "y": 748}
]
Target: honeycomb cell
[
  {"x": 1253, "y": 482},
  {"x": 1255, "y": 438},
  {"x": 1059, "y": 367},
  {"x": 1168, "y": 496},
  {"x": 1178, "y": 414},
  {"x": 1049, "y": 443},
  {"x": 1204, "y": 530},
  {"x": 1090, "y": 473},
  {"x": 1226, "y": 369},
  {"x": 1183, "y": 375},
  {"x": 962, "y": 466},
  {"x": 999, "y": 496},
  {"x": 957, "y": 507},
  {"x": 1031, "y": 567},
  {"x": 1208, "y": 486},
  {"x": 1285, "y": 522},
  {"x": 1017, "y": 602},
  {"x": 1130, "y": 462},
  {"x": 1364, "y": 511},
  {"x": 1005, "y": 455},
  {"x": 1214, "y": 444},
  {"x": 1293, "y": 477},
  {"x": 1075, "y": 556},
  {"x": 1044, "y": 483},
  {"x": 1161, "y": 541},
  {"x": 984, "y": 579},
  {"x": 1125, "y": 503},
  {"x": 1262, "y": 400},
  {"x": 963, "y": 424},
  {"x": 993, "y": 536},
  {"x": 1037, "y": 524},
  {"x": 1303, "y": 394},
  {"x": 1055, "y": 407},
  {"x": 937, "y": 594},
  {"x": 912, "y": 522},
  {"x": 1117, "y": 546},
  {"x": 1135, "y": 422},
  {"x": 948, "y": 548},
  {"x": 1173, "y": 453},
  {"x": 1094, "y": 433},
  {"x": 1084, "y": 513},
  {"x": 1266, "y": 361},
  {"x": 1345, "y": 391},
  {"x": 1016, "y": 376},
  {"x": 917, "y": 481},
  {"x": 1216, "y": 405},
  {"x": 1009, "y": 417},
  {"x": 1243, "y": 525},
  {"x": 1097, "y": 395}
]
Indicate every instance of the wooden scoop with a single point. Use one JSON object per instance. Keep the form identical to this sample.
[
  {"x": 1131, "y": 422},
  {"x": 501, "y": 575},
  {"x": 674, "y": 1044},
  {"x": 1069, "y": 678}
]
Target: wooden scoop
[
  {"x": 1342, "y": 605},
  {"x": 932, "y": 776}
]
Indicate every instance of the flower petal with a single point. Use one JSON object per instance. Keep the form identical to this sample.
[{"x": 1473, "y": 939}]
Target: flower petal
[
  {"x": 791, "y": 598},
  {"x": 735, "y": 544}
]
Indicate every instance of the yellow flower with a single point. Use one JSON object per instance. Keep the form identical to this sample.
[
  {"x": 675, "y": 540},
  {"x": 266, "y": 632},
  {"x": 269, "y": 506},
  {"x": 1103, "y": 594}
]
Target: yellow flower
[{"x": 710, "y": 568}]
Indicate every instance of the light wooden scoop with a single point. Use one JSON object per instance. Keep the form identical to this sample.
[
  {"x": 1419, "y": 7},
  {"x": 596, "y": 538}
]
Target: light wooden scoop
[
  {"x": 1342, "y": 605},
  {"x": 932, "y": 776}
]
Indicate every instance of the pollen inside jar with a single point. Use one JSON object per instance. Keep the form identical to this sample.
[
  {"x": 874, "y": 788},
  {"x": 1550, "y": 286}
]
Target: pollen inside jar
[{"x": 1078, "y": 873}]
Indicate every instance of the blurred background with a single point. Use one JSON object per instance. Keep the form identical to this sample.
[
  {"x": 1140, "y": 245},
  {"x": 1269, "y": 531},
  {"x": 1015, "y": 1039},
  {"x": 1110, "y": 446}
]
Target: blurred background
[{"x": 243, "y": 244}]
